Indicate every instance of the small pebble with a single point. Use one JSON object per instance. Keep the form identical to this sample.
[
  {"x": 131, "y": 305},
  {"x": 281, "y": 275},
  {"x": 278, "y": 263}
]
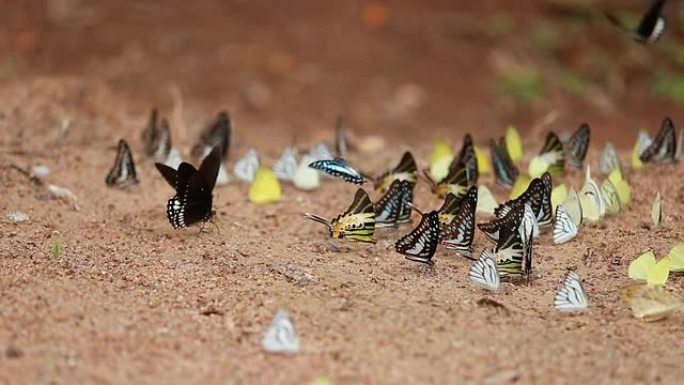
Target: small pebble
[
  {"x": 41, "y": 172},
  {"x": 17, "y": 217}
]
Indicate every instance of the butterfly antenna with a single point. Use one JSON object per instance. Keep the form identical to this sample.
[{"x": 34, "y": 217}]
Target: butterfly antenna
[
  {"x": 426, "y": 177},
  {"x": 317, "y": 218},
  {"x": 412, "y": 206}
]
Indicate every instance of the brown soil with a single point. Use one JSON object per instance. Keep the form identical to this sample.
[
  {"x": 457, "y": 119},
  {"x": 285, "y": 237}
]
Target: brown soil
[{"x": 130, "y": 300}]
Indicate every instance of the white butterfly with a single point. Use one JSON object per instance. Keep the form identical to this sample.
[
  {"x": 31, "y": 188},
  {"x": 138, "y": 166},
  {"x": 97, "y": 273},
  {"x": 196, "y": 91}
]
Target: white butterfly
[
  {"x": 286, "y": 167},
  {"x": 174, "y": 158},
  {"x": 222, "y": 178},
  {"x": 306, "y": 178},
  {"x": 321, "y": 152},
  {"x": 565, "y": 228},
  {"x": 571, "y": 296},
  {"x": 529, "y": 221},
  {"x": 281, "y": 336},
  {"x": 484, "y": 272},
  {"x": 609, "y": 161},
  {"x": 593, "y": 207},
  {"x": 246, "y": 168}
]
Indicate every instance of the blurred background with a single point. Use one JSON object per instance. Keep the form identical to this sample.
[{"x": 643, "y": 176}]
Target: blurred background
[{"x": 408, "y": 70}]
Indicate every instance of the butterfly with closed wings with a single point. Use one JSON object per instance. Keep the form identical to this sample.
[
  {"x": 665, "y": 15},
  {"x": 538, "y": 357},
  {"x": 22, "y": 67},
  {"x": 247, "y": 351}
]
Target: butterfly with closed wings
[
  {"x": 504, "y": 169},
  {"x": 420, "y": 244},
  {"x": 405, "y": 170},
  {"x": 285, "y": 167},
  {"x": 538, "y": 196},
  {"x": 651, "y": 26},
  {"x": 193, "y": 200},
  {"x": 663, "y": 149},
  {"x": 122, "y": 174},
  {"x": 215, "y": 135},
  {"x": 467, "y": 159},
  {"x": 357, "y": 223},
  {"x": 571, "y": 296},
  {"x": 456, "y": 182},
  {"x": 459, "y": 233},
  {"x": 484, "y": 272},
  {"x": 576, "y": 147},
  {"x": 281, "y": 336},
  {"x": 394, "y": 207}
]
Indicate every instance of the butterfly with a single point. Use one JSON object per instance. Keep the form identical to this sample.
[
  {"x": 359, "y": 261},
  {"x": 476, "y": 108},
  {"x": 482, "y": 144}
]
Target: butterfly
[
  {"x": 576, "y": 147},
  {"x": 447, "y": 212},
  {"x": 651, "y": 26},
  {"x": 265, "y": 189},
  {"x": 609, "y": 160},
  {"x": 486, "y": 203},
  {"x": 610, "y": 197},
  {"x": 458, "y": 235},
  {"x": 150, "y": 133},
  {"x": 156, "y": 138},
  {"x": 657, "y": 211},
  {"x": 664, "y": 146},
  {"x": 504, "y": 169},
  {"x": 467, "y": 159},
  {"x": 591, "y": 200},
  {"x": 193, "y": 200},
  {"x": 395, "y": 206},
  {"x": 513, "y": 144},
  {"x": 216, "y": 135},
  {"x": 484, "y": 272},
  {"x": 572, "y": 207},
  {"x": 405, "y": 170},
  {"x": 645, "y": 268},
  {"x": 510, "y": 252},
  {"x": 650, "y": 303},
  {"x": 246, "y": 167},
  {"x": 338, "y": 167},
  {"x": 564, "y": 229},
  {"x": 285, "y": 167},
  {"x": 456, "y": 182},
  {"x": 122, "y": 173},
  {"x": 511, "y": 220},
  {"x": 571, "y": 297},
  {"x": 341, "y": 143},
  {"x": 551, "y": 158},
  {"x": 281, "y": 336},
  {"x": 538, "y": 196},
  {"x": 306, "y": 178},
  {"x": 321, "y": 152},
  {"x": 676, "y": 257},
  {"x": 421, "y": 243},
  {"x": 441, "y": 157},
  {"x": 643, "y": 142},
  {"x": 357, "y": 223}
]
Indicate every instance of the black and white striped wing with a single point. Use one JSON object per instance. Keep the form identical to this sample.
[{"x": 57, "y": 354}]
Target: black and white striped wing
[
  {"x": 664, "y": 147},
  {"x": 421, "y": 243},
  {"x": 459, "y": 234},
  {"x": 564, "y": 229},
  {"x": 577, "y": 146},
  {"x": 122, "y": 173},
  {"x": 504, "y": 169},
  {"x": 467, "y": 158},
  {"x": 653, "y": 24},
  {"x": 571, "y": 297},
  {"x": 389, "y": 207},
  {"x": 484, "y": 272}
]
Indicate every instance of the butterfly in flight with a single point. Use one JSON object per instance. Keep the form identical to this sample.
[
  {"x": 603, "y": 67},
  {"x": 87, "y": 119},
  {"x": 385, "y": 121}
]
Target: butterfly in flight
[
  {"x": 122, "y": 173},
  {"x": 193, "y": 200},
  {"x": 467, "y": 159},
  {"x": 458, "y": 235},
  {"x": 405, "y": 170},
  {"x": 216, "y": 135},
  {"x": 571, "y": 297},
  {"x": 395, "y": 206},
  {"x": 504, "y": 169},
  {"x": 338, "y": 167},
  {"x": 663, "y": 149},
  {"x": 484, "y": 272},
  {"x": 651, "y": 26},
  {"x": 281, "y": 336},
  {"x": 576, "y": 147},
  {"x": 420, "y": 244},
  {"x": 357, "y": 223}
]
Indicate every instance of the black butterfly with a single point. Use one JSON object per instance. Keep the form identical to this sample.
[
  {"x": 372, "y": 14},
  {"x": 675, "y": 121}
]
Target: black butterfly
[
  {"x": 405, "y": 170},
  {"x": 576, "y": 147},
  {"x": 458, "y": 235},
  {"x": 193, "y": 200},
  {"x": 338, "y": 167},
  {"x": 505, "y": 171},
  {"x": 216, "y": 135},
  {"x": 552, "y": 153},
  {"x": 122, "y": 173},
  {"x": 511, "y": 220},
  {"x": 421, "y": 243},
  {"x": 467, "y": 159},
  {"x": 651, "y": 26},
  {"x": 395, "y": 206},
  {"x": 538, "y": 196},
  {"x": 663, "y": 149}
]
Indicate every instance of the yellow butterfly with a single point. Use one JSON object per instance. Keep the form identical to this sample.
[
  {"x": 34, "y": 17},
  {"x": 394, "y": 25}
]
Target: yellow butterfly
[
  {"x": 593, "y": 207},
  {"x": 657, "y": 211},
  {"x": 610, "y": 197},
  {"x": 440, "y": 159},
  {"x": 645, "y": 268},
  {"x": 514, "y": 144},
  {"x": 643, "y": 141},
  {"x": 265, "y": 189},
  {"x": 522, "y": 182},
  {"x": 486, "y": 203},
  {"x": 573, "y": 207},
  {"x": 650, "y": 303},
  {"x": 558, "y": 195},
  {"x": 676, "y": 256},
  {"x": 623, "y": 188},
  {"x": 483, "y": 166},
  {"x": 357, "y": 223}
]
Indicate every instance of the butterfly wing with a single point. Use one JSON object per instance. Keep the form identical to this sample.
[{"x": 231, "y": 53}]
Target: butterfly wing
[
  {"x": 657, "y": 211},
  {"x": 338, "y": 167},
  {"x": 664, "y": 146},
  {"x": 122, "y": 173},
  {"x": 652, "y": 25},
  {"x": 341, "y": 146},
  {"x": 459, "y": 234},
  {"x": 576, "y": 148},
  {"x": 192, "y": 202},
  {"x": 286, "y": 166},
  {"x": 564, "y": 229},
  {"x": 358, "y": 222},
  {"x": 247, "y": 166},
  {"x": 467, "y": 159},
  {"x": 552, "y": 154},
  {"x": 405, "y": 170},
  {"x": 421, "y": 243},
  {"x": 509, "y": 251},
  {"x": 609, "y": 160},
  {"x": 571, "y": 296},
  {"x": 148, "y": 135},
  {"x": 389, "y": 207},
  {"x": 639, "y": 268},
  {"x": 170, "y": 175},
  {"x": 161, "y": 144},
  {"x": 484, "y": 272},
  {"x": 209, "y": 167}
]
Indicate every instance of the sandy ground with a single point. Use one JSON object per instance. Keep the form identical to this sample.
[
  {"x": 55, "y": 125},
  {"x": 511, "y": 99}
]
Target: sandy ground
[{"x": 130, "y": 300}]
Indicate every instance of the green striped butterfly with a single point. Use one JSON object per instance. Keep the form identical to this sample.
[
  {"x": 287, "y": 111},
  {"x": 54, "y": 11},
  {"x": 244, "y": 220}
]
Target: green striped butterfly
[
  {"x": 357, "y": 223},
  {"x": 405, "y": 170}
]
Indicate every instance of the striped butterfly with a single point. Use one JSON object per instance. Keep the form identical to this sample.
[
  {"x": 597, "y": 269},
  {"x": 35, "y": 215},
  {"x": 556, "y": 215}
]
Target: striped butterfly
[
  {"x": 663, "y": 149},
  {"x": 456, "y": 182},
  {"x": 609, "y": 160},
  {"x": 552, "y": 154},
  {"x": 357, "y": 223},
  {"x": 447, "y": 212},
  {"x": 468, "y": 159},
  {"x": 405, "y": 170},
  {"x": 651, "y": 26},
  {"x": 122, "y": 174},
  {"x": 458, "y": 235},
  {"x": 564, "y": 229},
  {"x": 216, "y": 135},
  {"x": 505, "y": 171},
  {"x": 421, "y": 243},
  {"x": 509, "y": 251},
  {"x": 484, "y": 272},
  {"x": 246, "y": 168},
  {"x": 576, "y": 147},
  {"x": 395, "y": 206},
  {"x": 571, "y": 297},
  {"x": 528, "y": 225},
  {"x": 281, "y": 336},
  {"x": 338, "y": 167},
  {"x": 610, "y": 197},
  {"x": 285, "y": 167},
  {"x": 512, "y": 220},
  {"x": 150, "y": 132},
  {"x": 538, "y": 196}
]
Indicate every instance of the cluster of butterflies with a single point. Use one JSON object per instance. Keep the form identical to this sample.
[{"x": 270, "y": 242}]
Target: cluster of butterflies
[{"x": 534, "y": 203}]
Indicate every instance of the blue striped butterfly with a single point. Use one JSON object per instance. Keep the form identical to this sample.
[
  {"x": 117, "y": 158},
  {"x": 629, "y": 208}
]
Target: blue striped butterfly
[
  {"x": 458, "y": 235},
  {"x": 576, "y": 147},
  {"x": 420, "y": 244},
  {"x": 122, "y": 174},
  {"x": 405, "y": 170},
  {"x": 395, "y": 206},
  {"x": 357, "y": 223},
  {"x": 505, "y": 171},
  {"x": 338, "y": 167}
]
